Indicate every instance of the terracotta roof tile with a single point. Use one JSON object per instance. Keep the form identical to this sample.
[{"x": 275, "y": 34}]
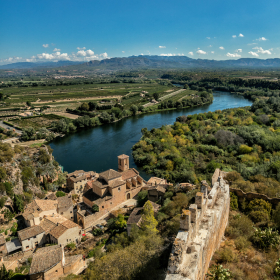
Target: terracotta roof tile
[
  {"x": 117, "y": 183},
  {"x": 69, "y": 224},
  {"x": 64, "y": 201},
  {"x": 46, "y": 205},
  {"x": 57, "y": 231},
  {"x": 135, "y": 216},
  {"x": 110, "y": 174},
  {"x": 47, "y": 225},
  {"x": 46, "y": 258},
  {"x": 123, "y": 156},
  {"x": 128, "y": 174},
  {"x": 29, "y": 232}
]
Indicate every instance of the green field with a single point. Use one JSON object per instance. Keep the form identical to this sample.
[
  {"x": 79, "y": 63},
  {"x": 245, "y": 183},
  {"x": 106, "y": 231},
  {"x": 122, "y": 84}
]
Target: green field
[{"x": 36, "y": 122}]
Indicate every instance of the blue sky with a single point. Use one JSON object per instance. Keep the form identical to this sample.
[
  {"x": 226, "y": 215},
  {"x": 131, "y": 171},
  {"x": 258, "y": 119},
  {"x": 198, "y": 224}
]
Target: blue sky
[{"x": 86, "y": 30}]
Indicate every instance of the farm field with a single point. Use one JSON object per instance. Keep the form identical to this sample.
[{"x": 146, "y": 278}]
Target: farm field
[{"x": 36, "y": 122}]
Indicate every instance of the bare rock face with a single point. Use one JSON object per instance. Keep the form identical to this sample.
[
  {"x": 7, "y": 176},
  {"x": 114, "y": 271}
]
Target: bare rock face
[{"x": 202, "y": 228}]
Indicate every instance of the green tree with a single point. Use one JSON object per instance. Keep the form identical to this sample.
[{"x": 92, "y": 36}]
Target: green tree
[
  {"x": 60, "y": 194},
  {"x": 28, "y": 103},
  {"x": 6, "y": 274},
  {"x": 18, "y": 204},
  {"x": 142, "y": 197},
  {"x": 133, "y": 109},
  {"x": 84, "y": 107},
  {"x": 149, "y": 223},
  {"x": 95, "y": 208},
  {"x": 120, "y": 223},
  {"x": 3, "y": 174},
  {"x": 156, "y": 95}
]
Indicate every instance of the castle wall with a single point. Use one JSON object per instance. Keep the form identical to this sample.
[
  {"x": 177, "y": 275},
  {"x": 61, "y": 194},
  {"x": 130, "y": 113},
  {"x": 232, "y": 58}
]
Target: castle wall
[{"x": 201, "y": 230}]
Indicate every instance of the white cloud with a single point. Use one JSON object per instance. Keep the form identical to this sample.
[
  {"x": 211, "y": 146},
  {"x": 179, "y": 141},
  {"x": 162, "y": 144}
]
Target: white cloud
[
  {"x": 81, "y": 55},
  {"x": 233, "y": 55},
  {"x": 57, "y": 50},
  {"x": 83, "y": 48},
  {"x": 162, "y": 47},
  {"x": 45, "y": 45},
  {"x": 210, "y": 46},
  {"x": 208, "y": 38},
  {"x": 252, "y": 44},
  {"x": 201, "y": 52},
  {"x": 212, "y": 52},
  {"x": 123, "y": 51},
  {"x": 190, "y": 53},
  {"x": 238, "y": 50},
  {"x": 221, "y": 48},
  {"x": 172, "y": 54},
  {"x": 240, "y": 35},
  {"x": 233, "y": 36},
  {"x": 253, "y": 53},
  {"x": 261, "y": 50},
  {"x": 142, "y": 54},
  {"x": 262, "y": 39}
]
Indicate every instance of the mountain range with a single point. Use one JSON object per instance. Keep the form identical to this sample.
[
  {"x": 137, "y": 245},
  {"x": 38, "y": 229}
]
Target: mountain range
[{"x": 153, "y": 61}]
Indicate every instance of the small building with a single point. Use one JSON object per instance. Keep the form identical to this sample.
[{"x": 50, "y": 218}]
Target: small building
[
  {"x": 50, "y": 263},
  {"x": 65, "y": 233},
  {"x": 37, "y": 209},
  {"x": 77, "y": 180},
  {"x": 2, "y": 244},
  {"x": 156, "y": 193},
  {"x": 31, "y": 238},
  {"x": 65, "y": 207}
]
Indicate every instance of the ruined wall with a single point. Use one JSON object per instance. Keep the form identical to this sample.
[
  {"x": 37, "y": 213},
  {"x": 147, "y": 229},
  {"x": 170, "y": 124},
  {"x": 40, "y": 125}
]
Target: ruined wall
[
  {"x": 250, "y": 196},
  {"x": 202, "y": 227}
]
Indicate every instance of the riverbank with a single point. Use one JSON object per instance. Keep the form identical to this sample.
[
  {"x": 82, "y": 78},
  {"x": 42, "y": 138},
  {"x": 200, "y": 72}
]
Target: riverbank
[{"x": 96, "y": 148}]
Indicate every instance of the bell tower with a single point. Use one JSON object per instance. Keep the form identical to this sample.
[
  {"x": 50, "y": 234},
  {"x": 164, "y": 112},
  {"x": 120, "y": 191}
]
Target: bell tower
[{"x": 123, "y": 162}]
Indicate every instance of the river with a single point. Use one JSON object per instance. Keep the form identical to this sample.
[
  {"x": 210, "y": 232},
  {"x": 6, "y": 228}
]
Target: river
[{"x": 97, "y": 148}]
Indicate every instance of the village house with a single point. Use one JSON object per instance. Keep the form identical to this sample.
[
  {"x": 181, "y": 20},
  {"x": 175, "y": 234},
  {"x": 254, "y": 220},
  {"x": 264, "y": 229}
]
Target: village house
[
  {"x": 39, "y": 208},
  {"x": 156, "y": 193},
  {"x": 65, "y": 233},
  {"x": 2, "y": 244},
  {"x": 65, "y": 207},
  {"x": 31, "y": 237},
  {"x": 76, "y": 181},
  {"x": 50, "y": 263}
]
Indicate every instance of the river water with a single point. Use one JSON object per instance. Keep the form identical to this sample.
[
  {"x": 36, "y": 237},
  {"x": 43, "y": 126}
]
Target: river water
[{"x": 96, "y": 149}]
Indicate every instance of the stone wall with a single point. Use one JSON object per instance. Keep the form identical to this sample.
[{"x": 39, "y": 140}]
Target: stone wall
[
  {"x": 202, "y": 227},
  {"x": 250, "y": 196}
]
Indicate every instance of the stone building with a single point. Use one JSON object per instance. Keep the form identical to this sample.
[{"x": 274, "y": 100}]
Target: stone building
[
  {"x": 50, "y": 263},
  {"x": 37, "y": 209},
  {"x": 65, "y": 207},
  {"x": 65, "y": 233},
  {"x": 2, "y": 244},
  {"x": 76, "y": 181},
  {"x": 114, "y": 187},
  {"x": 31, "y": 238},
  {"x": 156, "y": 193}
]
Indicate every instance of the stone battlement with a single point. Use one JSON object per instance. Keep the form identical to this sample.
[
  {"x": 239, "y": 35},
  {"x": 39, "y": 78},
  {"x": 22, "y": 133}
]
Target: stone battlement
[{"x": 202, "y": 227}]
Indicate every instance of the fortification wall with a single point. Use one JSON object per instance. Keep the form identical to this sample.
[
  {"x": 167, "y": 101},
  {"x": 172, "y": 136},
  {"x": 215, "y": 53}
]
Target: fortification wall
[{"x": 202, "y": 227}]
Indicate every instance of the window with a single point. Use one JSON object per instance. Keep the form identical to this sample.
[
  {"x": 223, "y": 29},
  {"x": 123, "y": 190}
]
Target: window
[
  {"x": 28, "y": 239},
  {"x": 70, "y": 211},
  {"x": 102, "y": 206},
  {"x": 119, "y": 188},
  {"x": 27, "y": 247},
  {"x": 61, "y": 213},
  {"x": 56, "y": 271},
  {"x": 80, "y": 232},
  {"x": 67, "y": 240}
]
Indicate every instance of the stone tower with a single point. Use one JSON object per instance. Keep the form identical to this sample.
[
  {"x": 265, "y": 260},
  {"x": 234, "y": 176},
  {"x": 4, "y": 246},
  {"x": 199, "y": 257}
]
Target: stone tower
[{"x": 123, "y": 162}]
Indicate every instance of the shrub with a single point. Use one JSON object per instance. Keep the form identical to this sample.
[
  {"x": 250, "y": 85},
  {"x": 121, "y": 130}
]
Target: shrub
[
  {"x": 60, "y": 194},
  {"x": 233, "y": 201},
  {"x": 266, "y": 238},
  {"x": 71, "y": 245},
  {"x": 95, "y": 208},
  {"x": 142, "y": 197},
  {"x": 97, "y": 231},
  {"x": 219, "y": 273},
  {"x": 226, "y": 255},
  {"x": 241, "y": 243},
  {"x": 277, "y": 268},
  {"x": 259, "y": 216},
  {"x": 240, "y": 225},
  {"x": 244, "y": 149}
]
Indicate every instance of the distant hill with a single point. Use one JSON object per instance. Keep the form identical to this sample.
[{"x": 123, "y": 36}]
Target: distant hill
[
  {"x": 152, "y": 61},
  {"x": 29, "y": 65}
]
